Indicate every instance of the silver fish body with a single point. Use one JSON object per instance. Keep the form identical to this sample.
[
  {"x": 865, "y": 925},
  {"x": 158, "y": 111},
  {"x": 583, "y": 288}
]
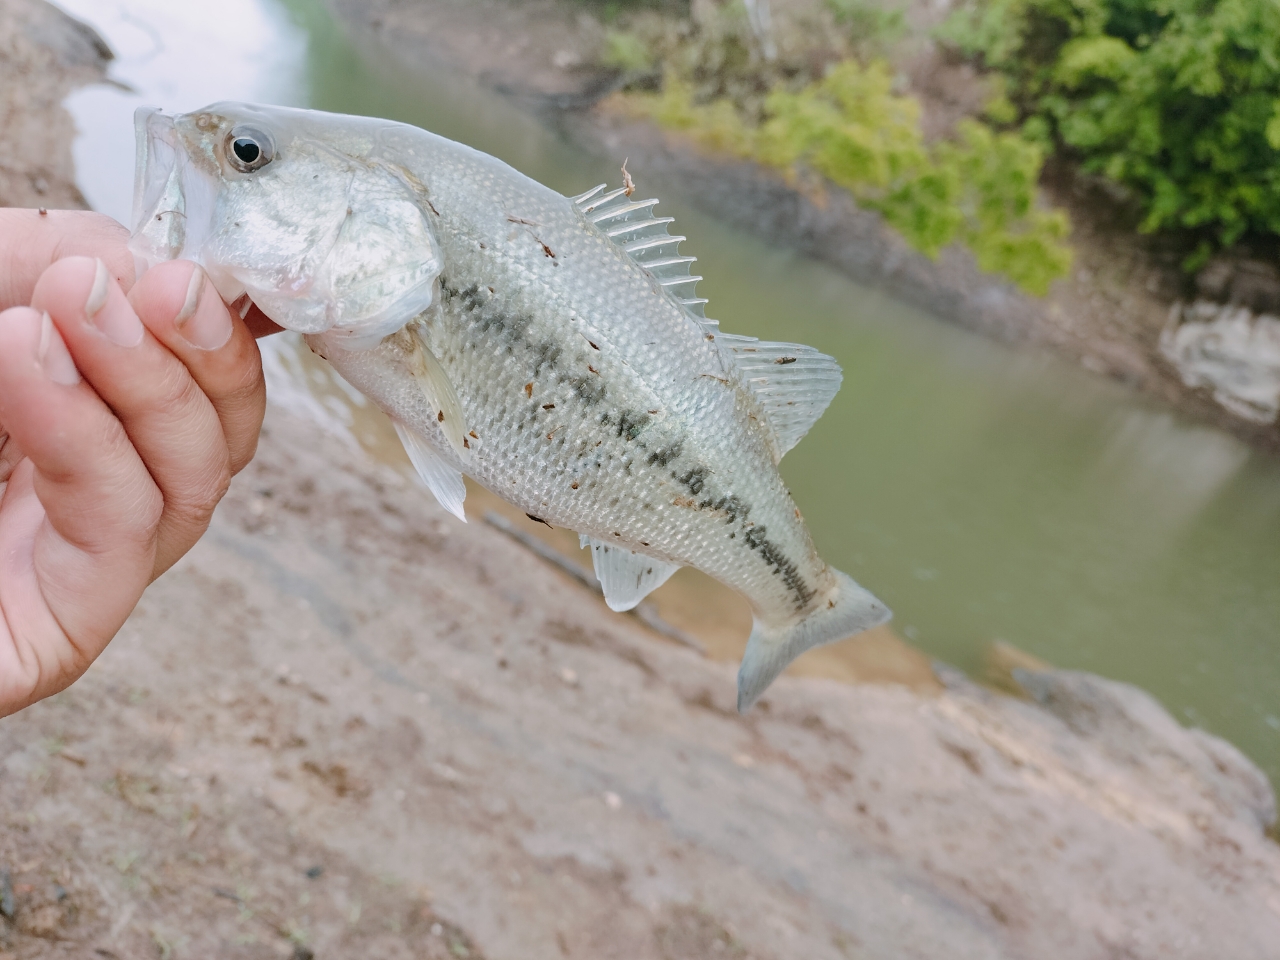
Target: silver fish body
[{"x": 557, "y": 355}]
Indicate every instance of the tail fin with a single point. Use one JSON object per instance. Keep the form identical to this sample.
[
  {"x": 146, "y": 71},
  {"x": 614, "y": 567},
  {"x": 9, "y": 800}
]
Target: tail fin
[{"x": 849, "y": 609}]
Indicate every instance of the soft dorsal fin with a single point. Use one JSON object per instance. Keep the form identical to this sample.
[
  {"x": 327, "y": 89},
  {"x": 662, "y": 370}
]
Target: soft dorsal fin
[
  {"x": 793, "y": 383},
  {"x": 626, "y": 577}
]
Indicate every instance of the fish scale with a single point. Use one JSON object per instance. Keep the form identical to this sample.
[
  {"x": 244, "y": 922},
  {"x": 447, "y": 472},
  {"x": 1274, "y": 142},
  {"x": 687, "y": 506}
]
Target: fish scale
[
  {"x": 651, "y": 357},
  {"x": 565, "y": 334}
]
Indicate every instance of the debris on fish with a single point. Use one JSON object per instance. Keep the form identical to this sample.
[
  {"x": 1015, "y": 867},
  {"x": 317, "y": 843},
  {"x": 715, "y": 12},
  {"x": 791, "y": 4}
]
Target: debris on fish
[{"x": 551, "y": 348}]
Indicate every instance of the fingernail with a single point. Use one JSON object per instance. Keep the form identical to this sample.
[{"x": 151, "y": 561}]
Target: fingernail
[
  {"x": 98, "y": 292},
  {"x": 53, "y": 355},
  {"x": 195, "y": 286},
  {"x": 113, "y": 316},
  {"x": 209, "y": 328}
]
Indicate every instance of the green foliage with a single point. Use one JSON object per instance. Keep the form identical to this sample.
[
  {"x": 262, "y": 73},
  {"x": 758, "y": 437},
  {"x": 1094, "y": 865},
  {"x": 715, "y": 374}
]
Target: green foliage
[
  {"x": 872, "y": 27},
  {"x": 625, "y": 51},
  {"x": 714, "y": 51},
  {"x": 854, "y": 131},
  {"x": 1178, "y": 100},
  {"x": 716, "y": 125},
  {"x": 610, "y": 10}
]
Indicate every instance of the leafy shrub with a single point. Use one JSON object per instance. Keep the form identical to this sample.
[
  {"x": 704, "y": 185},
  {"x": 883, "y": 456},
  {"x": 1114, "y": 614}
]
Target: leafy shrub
[
  {"x": 714, "y": 51},
  {"x": 872, "y": 28},
  {"x": 626, "y": 52},
  {"x": 850, "y": 128},
  {"x": 1178, "y": 100}
]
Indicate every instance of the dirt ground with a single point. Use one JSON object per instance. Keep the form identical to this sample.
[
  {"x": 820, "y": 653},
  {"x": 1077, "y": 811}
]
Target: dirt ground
[
  {"x": 43, "y": 57},
  {"x": 347, "y": 725}
]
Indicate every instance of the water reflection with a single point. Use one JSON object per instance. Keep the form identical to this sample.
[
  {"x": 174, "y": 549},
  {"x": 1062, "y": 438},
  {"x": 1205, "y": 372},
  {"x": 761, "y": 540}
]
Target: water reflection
[
  {"x": 176, "y": 56},
  {"x": 984, "y": 493}
]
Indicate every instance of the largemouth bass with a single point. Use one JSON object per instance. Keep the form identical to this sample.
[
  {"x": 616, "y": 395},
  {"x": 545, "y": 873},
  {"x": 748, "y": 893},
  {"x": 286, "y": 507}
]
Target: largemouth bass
[{"x": 551, "y": 348}]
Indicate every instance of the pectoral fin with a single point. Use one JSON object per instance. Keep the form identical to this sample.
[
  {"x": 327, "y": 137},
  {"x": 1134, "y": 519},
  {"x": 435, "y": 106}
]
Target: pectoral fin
[
  {"x": 626, "y": 577},
  {"x": 441, "y": 479},
  {"x": 438, "y": 390}
]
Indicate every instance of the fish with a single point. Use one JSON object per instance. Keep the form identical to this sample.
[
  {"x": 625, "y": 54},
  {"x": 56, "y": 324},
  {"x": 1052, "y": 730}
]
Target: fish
[{"x": 551, "y": 348}]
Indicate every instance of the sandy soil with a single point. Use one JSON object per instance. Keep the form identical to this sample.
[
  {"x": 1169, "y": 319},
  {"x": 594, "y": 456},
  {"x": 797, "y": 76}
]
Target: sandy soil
[
  {"x": 1107, "y": 315},
  {"x": 443, "y": 729}
]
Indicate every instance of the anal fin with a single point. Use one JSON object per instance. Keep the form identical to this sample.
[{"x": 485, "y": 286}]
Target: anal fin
[
  {"x": 441, "y": 479},
  {"x": 626, "y": 577}
]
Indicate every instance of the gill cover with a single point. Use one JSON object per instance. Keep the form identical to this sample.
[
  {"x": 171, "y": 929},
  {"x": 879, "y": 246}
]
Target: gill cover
[{"x": 327, "y": 237}]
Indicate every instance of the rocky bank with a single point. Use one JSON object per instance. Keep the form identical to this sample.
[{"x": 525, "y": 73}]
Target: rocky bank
[{"x": 44, "y": 55}]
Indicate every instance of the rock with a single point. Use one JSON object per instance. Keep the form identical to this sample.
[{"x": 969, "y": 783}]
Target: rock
[
  {"x": 46, "y": 54},
  {"x": 1131, "y": 728},
  {"x": 1001, "y": 659},
  {"x": 8, "y": 906},
  {"x": 1230, "y": 350}
]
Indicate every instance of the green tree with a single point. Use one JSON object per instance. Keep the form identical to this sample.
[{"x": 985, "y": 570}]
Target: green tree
[
  {"x": 851, "y": 129},
  {"x": 1177, "y": 100}
]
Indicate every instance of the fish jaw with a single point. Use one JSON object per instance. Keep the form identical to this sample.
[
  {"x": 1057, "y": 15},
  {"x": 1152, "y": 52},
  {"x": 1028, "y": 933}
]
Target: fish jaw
[
  {"x": 323, "y": 238},
  {"x": 173, "y": 199}
]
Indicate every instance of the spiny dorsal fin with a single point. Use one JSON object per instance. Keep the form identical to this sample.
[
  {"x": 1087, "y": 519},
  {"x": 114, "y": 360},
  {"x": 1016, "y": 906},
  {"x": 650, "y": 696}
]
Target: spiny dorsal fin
[
  {"x": 632, "y": 226},
  {"x": 793, "y": 383}
]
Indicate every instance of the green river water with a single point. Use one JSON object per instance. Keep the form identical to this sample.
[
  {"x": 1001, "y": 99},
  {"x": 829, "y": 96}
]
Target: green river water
[{"x": 984, "y": 493}]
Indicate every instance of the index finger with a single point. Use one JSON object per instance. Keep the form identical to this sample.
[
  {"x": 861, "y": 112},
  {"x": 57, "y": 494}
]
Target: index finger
[{"x": 30, "y": 241}]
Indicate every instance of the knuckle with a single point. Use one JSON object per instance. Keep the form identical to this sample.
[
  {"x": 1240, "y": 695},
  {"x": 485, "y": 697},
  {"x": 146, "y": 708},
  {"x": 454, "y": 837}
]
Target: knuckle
[
  {"x": 9, "y": 455},
  {"x": 173, "y": 389},
  {"x": 148, "y": 512},
  {"x": 247, "y": 389},
  {"x": 244, "y": 453},
  {"x": 194, "y": 505},
  {"x": 47, "y": 663},
  {"x": 96, "y": 234}
]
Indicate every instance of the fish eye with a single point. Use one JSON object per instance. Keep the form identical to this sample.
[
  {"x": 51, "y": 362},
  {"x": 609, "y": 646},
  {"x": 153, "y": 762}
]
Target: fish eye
[{"x": 249, "y": 149}]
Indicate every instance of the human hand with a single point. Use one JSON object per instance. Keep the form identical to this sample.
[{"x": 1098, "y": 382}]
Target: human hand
[{"x": 125, "y": 409}]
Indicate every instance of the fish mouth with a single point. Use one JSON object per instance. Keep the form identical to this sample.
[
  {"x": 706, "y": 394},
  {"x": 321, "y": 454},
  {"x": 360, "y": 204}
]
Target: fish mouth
[{"x": 173, "y": 199}]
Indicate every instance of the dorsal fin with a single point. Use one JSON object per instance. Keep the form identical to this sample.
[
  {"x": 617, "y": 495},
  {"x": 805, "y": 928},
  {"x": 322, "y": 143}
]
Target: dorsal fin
[
  {"x": 632, "y": 226},
  {"x": 793, "y": 383}
]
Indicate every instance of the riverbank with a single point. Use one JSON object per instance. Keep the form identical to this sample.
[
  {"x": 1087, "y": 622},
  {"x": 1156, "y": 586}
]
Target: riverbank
[
  {"x": 1107, "y": 316},
  {"x": 44, "y": 55},
  {"x": 346, "y": 721}
]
